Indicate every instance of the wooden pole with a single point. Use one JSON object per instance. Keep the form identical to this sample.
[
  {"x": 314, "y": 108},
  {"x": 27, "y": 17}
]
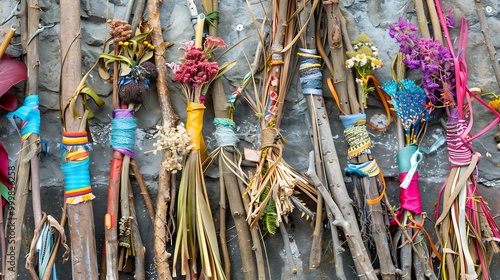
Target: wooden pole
[
  {"x": 169, "y": 118},
  {"x": 28, "y": 160},
  {"x": 80, "y": 216}
]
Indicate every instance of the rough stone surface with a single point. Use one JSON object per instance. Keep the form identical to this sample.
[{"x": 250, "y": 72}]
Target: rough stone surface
[{"x": 372, "y": 17}]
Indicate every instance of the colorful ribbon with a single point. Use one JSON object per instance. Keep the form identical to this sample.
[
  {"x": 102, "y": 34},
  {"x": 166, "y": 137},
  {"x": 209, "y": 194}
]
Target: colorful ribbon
[
  {"x": 75, "y": 164},
  {"x": 30, "y": 115},
  {"x": 409, "y": 193}
]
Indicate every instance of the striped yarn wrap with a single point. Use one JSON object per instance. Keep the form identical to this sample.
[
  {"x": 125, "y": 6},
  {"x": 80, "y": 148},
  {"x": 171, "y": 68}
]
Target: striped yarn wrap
[
  {"x": 459, "y": 149},
  {"x": 75, "y": 164},
  {"x": 311, "y": 78},
  {"x": 366, "y": 169},
  {"x": 123, "y": 128},
  {"x": 29, "y": 113},
  {"x": 356, "y": 135}
]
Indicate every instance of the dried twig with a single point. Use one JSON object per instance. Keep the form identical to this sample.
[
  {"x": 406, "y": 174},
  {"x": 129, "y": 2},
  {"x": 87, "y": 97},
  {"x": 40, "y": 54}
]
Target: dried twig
[{"x": 169, "y": 118}]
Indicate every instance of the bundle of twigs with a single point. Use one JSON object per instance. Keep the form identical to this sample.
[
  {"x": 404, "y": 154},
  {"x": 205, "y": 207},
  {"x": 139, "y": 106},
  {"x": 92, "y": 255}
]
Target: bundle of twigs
[
  {"x": 196, "y": 235},
  {"x": 27, "y": 170},
  {"x": 363, "y": 169},
  {"x": 228, "y": 158},
  {"x": 326, "y": 159},
  {"x": 130, "y": 85},
  {"x": 410, "y": 102},
  {"x": 467, "y": 232},
  {"x": 275, "y": 184}
]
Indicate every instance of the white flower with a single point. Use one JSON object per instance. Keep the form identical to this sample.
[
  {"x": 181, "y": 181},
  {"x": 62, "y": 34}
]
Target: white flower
[
  {"x": 359, "y": 81},
  {"x": 349, "y": 63},
  {"x": 375, "y": 54},
  {"x": 363, "y": 61}
]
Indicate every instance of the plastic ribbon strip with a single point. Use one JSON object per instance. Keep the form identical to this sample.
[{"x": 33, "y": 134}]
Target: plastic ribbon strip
[
  {"x": 75, "y": 164},
  {"x": 356, "y": 135},
  {"x": 123, "y": 128},
  {"x": 409, "y": 193},
  {"x": 30, "y": 114},
  {"x": 224, "y": 132},
  {"x": 311, "y": 78},
  {"x": 194, "y": 124},
  {"x": 368, "y": 169}
]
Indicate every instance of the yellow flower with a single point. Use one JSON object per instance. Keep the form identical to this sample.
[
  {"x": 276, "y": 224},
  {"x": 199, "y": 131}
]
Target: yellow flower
[{"x": 495, "y": 104}]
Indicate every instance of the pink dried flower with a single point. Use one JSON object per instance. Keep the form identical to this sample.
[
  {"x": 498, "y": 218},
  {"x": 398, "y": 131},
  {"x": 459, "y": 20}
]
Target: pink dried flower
[
  {"x": 187, "y": 46},
  {"x": 213, "y": 43}
]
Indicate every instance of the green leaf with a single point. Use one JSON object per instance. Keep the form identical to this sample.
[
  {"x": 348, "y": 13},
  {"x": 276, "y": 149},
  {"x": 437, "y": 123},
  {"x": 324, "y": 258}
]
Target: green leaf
[
  {"x": 109, "y": 58},
  {"x": 224, "y": 68},
  {"x": 73, "y": 110},
  {"x": 140, "y": 37},
  {"x": 125, "y": 69},
  {"x": 146, "y": 57},
  {"x": 92, "y": 94}
]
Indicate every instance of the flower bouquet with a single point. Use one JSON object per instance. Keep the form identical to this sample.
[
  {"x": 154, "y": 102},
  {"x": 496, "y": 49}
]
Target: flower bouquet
[
  {"x": 132, "y": 75},
  {"x": 228, "y": 159},
  {"x": 369, "y": 184},
  {"x": 467, "y": 232},
  {"x": 195, "y": 226},
  {"x": 273, "y": 188}
]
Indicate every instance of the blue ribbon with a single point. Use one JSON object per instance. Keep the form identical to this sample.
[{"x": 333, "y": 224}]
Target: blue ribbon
[{"x": 30, "y": 114}]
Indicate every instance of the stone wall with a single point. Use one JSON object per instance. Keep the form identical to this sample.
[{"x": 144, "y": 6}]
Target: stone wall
[{"x": 238, "y": 30}]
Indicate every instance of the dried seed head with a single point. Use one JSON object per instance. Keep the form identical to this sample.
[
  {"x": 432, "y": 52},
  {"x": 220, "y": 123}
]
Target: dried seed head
[
  {"x": 133, "y": 92},
  {"x": 120, "y": 30}
]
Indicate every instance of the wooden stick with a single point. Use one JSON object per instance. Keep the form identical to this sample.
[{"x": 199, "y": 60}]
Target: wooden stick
[
  {"x": 169, "y": 118},
  {"x": 229, "y": 179},
  {"x": 422, "y": 19},
  {"x": 436, "y": 26},
  {"x": 255, "y": 234},
  {"x": 6, "y": 41},
  {"x": 140, "y": 273},
  {"x": 144, "y": 189},
  {"x": 138, "y": 13},
  {"x": 309, "y": 42},
  {"x": 340, "y": 221},
  {"x": 80, "y": 216},
  {"x": 28, "y": 153},
  {"x": 492, "y": 53}
]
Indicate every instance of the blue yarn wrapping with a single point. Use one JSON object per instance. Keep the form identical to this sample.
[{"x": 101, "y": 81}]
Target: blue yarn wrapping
[
  {"x": 311, "y": 78},
  {"x": 224, "y": 132},
  {"x": 30, "y": 114},
  {"x": 76, "y": 173},
  {"x": 123, "y": 128}
]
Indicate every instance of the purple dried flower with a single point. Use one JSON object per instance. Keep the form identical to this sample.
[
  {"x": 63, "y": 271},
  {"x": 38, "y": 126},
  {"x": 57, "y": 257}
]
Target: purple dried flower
[
  {"x": 431, "y": 58},
  {"x": 449, "y": 17}
]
